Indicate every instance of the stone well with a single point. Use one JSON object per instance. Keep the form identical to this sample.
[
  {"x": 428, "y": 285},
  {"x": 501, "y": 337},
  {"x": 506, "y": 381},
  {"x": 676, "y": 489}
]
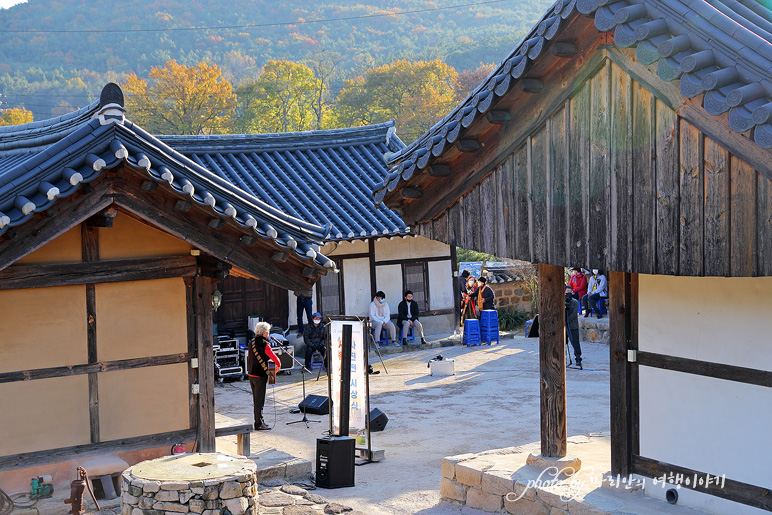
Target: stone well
[{"x": 202, "y": 483}]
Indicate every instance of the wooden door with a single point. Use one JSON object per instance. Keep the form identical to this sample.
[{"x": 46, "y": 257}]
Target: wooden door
[{"x": 242, "y": 298}]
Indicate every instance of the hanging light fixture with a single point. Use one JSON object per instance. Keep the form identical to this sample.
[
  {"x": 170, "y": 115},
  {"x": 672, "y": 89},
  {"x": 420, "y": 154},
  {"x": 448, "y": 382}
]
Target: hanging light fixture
[{"x": 216, "y": 299}]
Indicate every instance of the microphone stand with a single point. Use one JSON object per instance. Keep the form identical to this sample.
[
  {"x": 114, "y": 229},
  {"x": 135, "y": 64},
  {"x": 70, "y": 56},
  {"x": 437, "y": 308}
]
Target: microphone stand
[{"x": 303, "y": 371}]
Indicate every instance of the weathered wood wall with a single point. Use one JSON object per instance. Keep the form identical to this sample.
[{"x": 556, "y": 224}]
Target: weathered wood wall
[{"x": 615, "y": 179}]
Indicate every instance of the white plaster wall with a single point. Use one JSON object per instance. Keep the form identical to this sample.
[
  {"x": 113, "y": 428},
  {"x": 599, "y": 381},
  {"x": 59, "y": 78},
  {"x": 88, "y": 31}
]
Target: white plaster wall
[
  {"x": 410, "y": 247},
  {"x": 699, "y": 422},
  {"x": 440, "y": 285},
  {"x": 388, "y": 278},
  {"x": 356, "y": 282},
  {"x": 716, "y": 319}
]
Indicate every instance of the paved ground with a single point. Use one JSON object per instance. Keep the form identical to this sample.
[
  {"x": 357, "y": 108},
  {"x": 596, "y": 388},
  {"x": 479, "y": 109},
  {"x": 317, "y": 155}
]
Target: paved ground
[{"x": 491, "y": 402}]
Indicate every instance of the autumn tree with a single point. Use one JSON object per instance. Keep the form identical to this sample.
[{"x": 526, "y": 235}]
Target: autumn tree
[
  {"x": 15, "y": 116},
  {"x": 179, "y": 99},
  {"x": 280, "y": 100},
  {"x": 467, "y": 80},
  {"x": 324, "y": 65},
  {"x": 416, "y": 94}
]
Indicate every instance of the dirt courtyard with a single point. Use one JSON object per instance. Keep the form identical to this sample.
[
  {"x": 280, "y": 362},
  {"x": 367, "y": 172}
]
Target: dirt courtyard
[{"x": 491, "y": 402}]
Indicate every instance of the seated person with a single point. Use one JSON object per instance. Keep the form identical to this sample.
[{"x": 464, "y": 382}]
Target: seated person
[
  {"x": 380, "y": 316},
  {"x": 407, "y": 317},
  {"x": 597, "y": 289},
  {"x": 314, "y": 338},
  {"x": 483, "y": 296},
  {"x": 578, "y": 283}
]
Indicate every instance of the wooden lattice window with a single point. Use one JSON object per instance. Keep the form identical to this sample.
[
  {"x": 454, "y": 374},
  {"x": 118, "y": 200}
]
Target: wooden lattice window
[
  {"x": 416, "y": 278},
  {"x": 330, "y": 293}
]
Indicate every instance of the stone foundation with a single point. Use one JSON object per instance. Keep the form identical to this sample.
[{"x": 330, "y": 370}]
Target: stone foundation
[
  {"x": 513, "y": 294},
  {"x": 592, "y": 329}
]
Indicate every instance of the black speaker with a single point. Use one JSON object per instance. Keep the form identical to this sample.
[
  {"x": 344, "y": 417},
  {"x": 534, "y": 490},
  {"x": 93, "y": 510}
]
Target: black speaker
[
  {"x": 378, "y": 420},
  {"x": 335, "y": 462},
  {"x": 316, "y": 405}
]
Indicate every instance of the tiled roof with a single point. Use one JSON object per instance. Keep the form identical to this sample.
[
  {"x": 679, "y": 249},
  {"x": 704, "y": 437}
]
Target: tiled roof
[
  {"x": 324, "y": 176},
  {"x": 722, "y": 48},
  {"x": 35, "y": 174}
]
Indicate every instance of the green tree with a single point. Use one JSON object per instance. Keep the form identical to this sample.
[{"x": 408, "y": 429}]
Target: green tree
[
  {"x": 415, "y": 94},
  {"x": 179, "y": 99},
  {"x": 15, "y": 116},
  {"x": 280, "y": 100}
]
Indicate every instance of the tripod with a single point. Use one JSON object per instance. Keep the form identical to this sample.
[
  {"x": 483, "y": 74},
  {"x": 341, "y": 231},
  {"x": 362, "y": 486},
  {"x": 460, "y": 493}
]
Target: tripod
[
  {"x": 303, "y": 371},
  {"x": 377, "y": 350}
]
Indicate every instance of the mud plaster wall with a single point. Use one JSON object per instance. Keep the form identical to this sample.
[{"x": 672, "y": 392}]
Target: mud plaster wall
[
  {"x": 44, "y": 414},
  {"x": 42, "y": 328},
  {"x": 130, "y": 238},
  {"x": 143, "y": 401},
  {"x": 141, "y": 318},
  {"x": 64, "y": 249}
]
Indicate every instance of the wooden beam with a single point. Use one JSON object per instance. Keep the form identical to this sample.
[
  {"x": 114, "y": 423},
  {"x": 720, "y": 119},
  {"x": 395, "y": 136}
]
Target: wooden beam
[
  {"x": 100, "y": 366},
  {"x": 439, "y": 170},
  {"x": 411, "y": 192},
  {"x": 468, "y": 145},
  {"x": 706, "y": 369},
  {"x": 744, "y": 493},
  {"x": 552, "y": 360},
  {"x": 190, "y": 311},
  {"x": 78, "y": 452},
  {"x": 202, "y": 301},
  {"x": 564, "y": 49},
  {"x": 498, "y": 117},
  {"x": 92, "y": 272},
  {"x": 149, "y": 186},
  {"x": 620, "y": 336},
  {"x": 530, "y": 85}
]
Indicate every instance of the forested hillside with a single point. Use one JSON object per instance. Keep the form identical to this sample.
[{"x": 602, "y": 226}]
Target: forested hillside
[{"x": 55, "y": 55}]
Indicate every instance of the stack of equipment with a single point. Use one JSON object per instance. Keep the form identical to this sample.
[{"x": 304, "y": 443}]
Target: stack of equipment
[{"x": 227, "y": 361}]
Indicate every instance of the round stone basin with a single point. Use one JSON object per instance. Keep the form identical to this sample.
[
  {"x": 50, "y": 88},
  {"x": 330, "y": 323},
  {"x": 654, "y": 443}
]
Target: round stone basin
[{"x": 215, "y": 483}]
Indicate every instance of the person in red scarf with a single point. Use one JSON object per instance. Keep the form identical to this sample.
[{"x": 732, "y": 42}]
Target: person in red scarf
[
  {"x": 259, "y": 352},
  {"x": 468, "y": 307}
]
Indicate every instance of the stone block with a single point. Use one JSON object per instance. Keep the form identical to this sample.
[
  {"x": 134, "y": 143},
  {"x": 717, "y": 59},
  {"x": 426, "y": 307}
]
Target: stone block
[
  {"x": 136, "y": 511},
  {"x": 314, "y": 498},
  {"x": 551, "y": 499},
  {"x": 146, "y": 503},
  {"x": 497, "y": 482},
  {"x": 196, "y": 484},
  {"x": 297, "y": 467},
  {"x": 593, "y": 335},
  {"x": 211, "y": 492},
  {"x": 166, "y": 495},
  {"x": 185, "y": 496},
  {"x": 336, "y": 509},
  {"x": 230, "y": 489},
  {"x": 484, "y": 501},
  {"x": 197, "y": 490},
  {"x": 170, "y": 506},
  {"x": 448, "y": 469},
  {"x": 300, "y": 510},
  {"x": 135, "y": 491},
  {"x": 151, "y": 487},
  {"x": 293, "y": 490},
  {"x": 196, "y": 505},
  {"x": 174, "y": 486},
  {"x": 129, "y": 499},
  {"x": 565, "y": 466},
  {"x": 525, "y": 507},
  {"x": 249, "y": 490},
  {"x": 470, "y": 472},
  {"x": 523, "y": 491},
  {"x": 276, "y": 499},
  {"x": 452, "y": 490},
  {"x": 237, "y": 506}
]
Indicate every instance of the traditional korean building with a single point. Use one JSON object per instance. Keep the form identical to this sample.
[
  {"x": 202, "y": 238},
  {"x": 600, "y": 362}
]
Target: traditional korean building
[
  {"x": 633, "y": 137},
  {"x": 327, "y": 177},
  {"x": 111, "y": 247}
]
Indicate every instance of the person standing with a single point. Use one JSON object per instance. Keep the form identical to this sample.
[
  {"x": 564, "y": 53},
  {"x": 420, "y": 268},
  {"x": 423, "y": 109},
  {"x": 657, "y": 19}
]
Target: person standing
[
  {"x": 313, "y": 337},
  {"x": 407, "y": 317},
  {"x": 483, "y": 296},
  {"x": 258, "y": 354},
  {"x": 380, "y": 316},
  {"x": 597, "y": 289},
  {"x": 572, "y": 325},
  {"x": 304, "y": 304},
  {"x": 468, "y": 308}
]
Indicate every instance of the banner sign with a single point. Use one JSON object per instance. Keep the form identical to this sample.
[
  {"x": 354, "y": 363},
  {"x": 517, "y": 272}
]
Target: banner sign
[{"x": 358, "y": 401}]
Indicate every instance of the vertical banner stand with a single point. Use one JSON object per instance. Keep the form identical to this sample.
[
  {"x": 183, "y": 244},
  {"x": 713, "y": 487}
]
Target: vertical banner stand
[{"x": 347, "y": 346}]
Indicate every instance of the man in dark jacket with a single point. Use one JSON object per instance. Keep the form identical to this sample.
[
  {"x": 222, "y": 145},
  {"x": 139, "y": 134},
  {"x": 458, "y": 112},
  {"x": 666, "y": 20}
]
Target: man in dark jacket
[
  {"x": 407, "y": 317},
  {"x": 572, "y": 325},
  {"x": 314, "y": 338},
  {"x": 484, "y": 296}
]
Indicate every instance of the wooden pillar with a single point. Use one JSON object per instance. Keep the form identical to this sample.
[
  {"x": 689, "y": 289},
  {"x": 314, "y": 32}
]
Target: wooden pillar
[
  {"x": 202, "y": 301},
  {"x": 89, "y": 237},
  {"x": 623, "y": 315},
  {"x": 552, "y": 360}
]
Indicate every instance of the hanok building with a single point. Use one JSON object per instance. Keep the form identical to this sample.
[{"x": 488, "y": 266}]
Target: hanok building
[
  {"x": 634, "y": 137},
  {"x": 111, "y": 245},
  {"x": 327, "y": 177}
]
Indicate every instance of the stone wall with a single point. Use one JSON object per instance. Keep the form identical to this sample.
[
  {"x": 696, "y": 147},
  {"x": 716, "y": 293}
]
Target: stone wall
[{"x": 513, "y": 294}]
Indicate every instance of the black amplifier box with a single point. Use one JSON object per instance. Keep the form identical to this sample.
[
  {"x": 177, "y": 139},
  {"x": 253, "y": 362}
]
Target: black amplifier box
[{"x": 335, "y": 462}]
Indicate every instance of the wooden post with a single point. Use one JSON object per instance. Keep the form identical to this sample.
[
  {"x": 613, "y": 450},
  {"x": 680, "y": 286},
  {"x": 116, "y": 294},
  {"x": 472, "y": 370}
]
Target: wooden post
[
  {"x": 623, "y": 292},
  {"x": 90, "y": 253},
  {"x": 202, "y": 300},
  {"x": 552, "y": 360}
]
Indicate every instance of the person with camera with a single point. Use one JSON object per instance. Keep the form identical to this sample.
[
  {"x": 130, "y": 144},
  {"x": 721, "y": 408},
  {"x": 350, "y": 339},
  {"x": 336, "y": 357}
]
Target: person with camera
[{"x": 572, "y": 325}]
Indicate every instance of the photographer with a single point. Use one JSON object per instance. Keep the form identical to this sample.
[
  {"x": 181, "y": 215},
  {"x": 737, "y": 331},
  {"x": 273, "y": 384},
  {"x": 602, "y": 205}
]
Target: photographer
[{"x": 572, "y": 325}]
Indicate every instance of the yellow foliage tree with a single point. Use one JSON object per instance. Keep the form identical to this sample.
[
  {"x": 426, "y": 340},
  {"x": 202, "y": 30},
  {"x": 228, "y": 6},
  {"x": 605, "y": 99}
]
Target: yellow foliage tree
[
  {"x": 280, "y": 100},
  {"x": 15, "y": 116},
  {"x": 416, "y": 94},
  {"x": 179, "y": 99}
]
